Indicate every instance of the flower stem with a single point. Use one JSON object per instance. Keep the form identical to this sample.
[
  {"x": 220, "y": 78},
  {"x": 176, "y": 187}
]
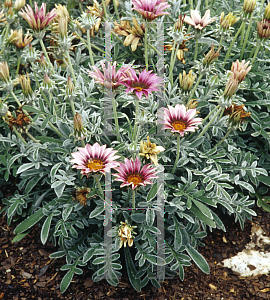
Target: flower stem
[
  {"x": 133, "y": 199},
  {"x": 15, "y": 98},
  {"x": 83, "y": 143},
  {"x": 246, "y": 38},
  {"x": 46, "y": 54},
  {"x": 18, "y": 65},
  {"x": 7, "y": 30},
  {"x": 154, "y": 48},
  {"x": 196, "y": 49},
  {"x": 256, "y": 52},
  {"x": 221, "y": 39},
  {"x": 195, "y": 87},
  {"x": 224, "y": 138},
  {"x": 70, "y": 67},
  {"x": 145, "y": 46},
  {"x": 115, "y": 119},
  {"x": 135, "y": 123},
  {"x": 116, "y": 9},
  {"x": 171, "y": 63},
  {"x": 80, "y": 6},
  {"x": 174, "y": 59},
  {"x": 209, "y": 123},
  {"x": 243, "y": 33},
  {"x": 89, "y": 47},
  {"x": 104, "y": 9},
  {"x": 177, "y": 154},
  {"x": 232, "y": 43},
  {"x": 99, "y": 186}
]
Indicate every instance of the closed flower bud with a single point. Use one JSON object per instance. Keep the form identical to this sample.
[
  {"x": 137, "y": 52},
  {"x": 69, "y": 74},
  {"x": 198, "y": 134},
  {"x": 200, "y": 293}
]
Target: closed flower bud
[
  {"x": 267, "y": 12},
  {"x": 70, "y": 86},
  {"x": 228, "y": 21},
  {"x": 239, "y": 70},
  {"x": 211, "y": 56},
  {"x": 24, "y": 81},
  {"x": 249, "y": 6},
  {"x": 186, "y": 80},
  {"x": 4, "y": 71},
  {"x": 78, "y": 123},
  {"x": 62, "y": 26},
  {"x": 179, "y": 23},
  {"x": 43, "y": 62},
  {"x": 263, "y": 29},
  {"x": 8, "y": 3},
  {"x": 231, "y": 87},
  {"x": 47, "y": 81},
  {"x": 19, "y": 4}
]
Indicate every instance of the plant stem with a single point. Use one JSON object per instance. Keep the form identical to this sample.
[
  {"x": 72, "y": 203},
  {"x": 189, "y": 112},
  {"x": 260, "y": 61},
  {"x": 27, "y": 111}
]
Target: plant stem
[
  {"x": 92, "y": 45},
  {"x": 171, "y": 63},
  {"x": 133, "y": 199},
  {"x": 89, "y": 47},
  {"x": 83, "y": 143},
  {"x": 221, "y": 39},
  {"x": 177, "y": 154},
  {"x": 135, "y": 122},
  {"x": 196, "y": 49},
  {"x": 195, "y": 87},
  {"x": 206, "y": 3},
  {"x": 18, "y": 65},
  {"x": 256, "y": 52},
  {"x": 209, "y": 123},
  {"x": 232, "y": 43},
  {"x": 99, "y": 186},
  {"x": 246, "y": 38},
  {"x": 224, "y": 138},
  {"x": 7, "y": 30},
  {"x": 154, "y": 48},
  {"x": 115, "y": 119},
  {"x": 70, "y": 67},
  {"x": 145, "y": 46},
  {"x": 116, "y": 9},
  {"x": 46, "y": 54},
  {"x": 19, "y": 136},
  {"x": 104, "y": 9},
  {"x": 80, "y": 6},
  {"x": 15, "y": 98},
  {"x": 243, "y": 34}
]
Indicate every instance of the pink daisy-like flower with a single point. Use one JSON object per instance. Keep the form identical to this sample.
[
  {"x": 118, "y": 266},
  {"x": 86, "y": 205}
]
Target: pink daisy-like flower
[
  {"x": 144, "y": 84},
  {"x": 196, "y": 21},
  {"x": 150, "y": 9},
  {"x": 130, "y": 173},
  {"x": 179, "y": 119},
  {"x": 94, "y": 159},
  {"x": 110, "y": 78},
  {"x": 38, "y": 20}
]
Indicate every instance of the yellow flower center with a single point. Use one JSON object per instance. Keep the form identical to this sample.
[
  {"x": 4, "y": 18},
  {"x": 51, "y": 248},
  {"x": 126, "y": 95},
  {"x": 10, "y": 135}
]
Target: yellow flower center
[
  {"x": 138, "y": 88},
  {"x": 179, "y": 125},
  {"x": 95, "y": 164},
  {"x": 135, "y": 179}
]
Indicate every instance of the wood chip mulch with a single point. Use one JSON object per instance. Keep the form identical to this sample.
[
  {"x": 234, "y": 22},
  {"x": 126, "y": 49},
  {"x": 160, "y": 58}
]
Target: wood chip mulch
[{"x": 27, "y": 272}]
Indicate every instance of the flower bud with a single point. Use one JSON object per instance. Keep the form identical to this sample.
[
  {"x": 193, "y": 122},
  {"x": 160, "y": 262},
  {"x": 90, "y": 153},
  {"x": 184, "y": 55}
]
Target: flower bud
[
  {"x": 263, "y": 29},
  {"x": 19, "y": 4},
  {"x": 267, "y": 12},
  {"x": 47, "y": 82},
  {"x": 211, "y": 56},
  {"x": 24, "y": 81},
  {"x": 62, "y": 26},
  {"x": 4, "y": 71},
  {"x": 43, "y": 62},
  {"x": 186, "y": 80},
  {"x": 249, "y": 6},
  {"x": 8, "y": 3},
  {"x": 179, "y": 23},
  {"x": 78, "y": 123},
  {"x": 231, "y": 87},
  {"x": 228, "y": 21},
  {"x": 239, "y": 70},
  {"x": 70, "y": 86}
]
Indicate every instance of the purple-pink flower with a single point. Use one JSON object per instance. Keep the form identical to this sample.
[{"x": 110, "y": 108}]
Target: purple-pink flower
[
  {"x": 131, "y": 174},
  {"x": 94, "y": 159},
  {"x": 144, "y": 84},
  {"x": 196, "y": 21},
  {"x": 180, "y": 120},
  {"x": 151, "y": 9},
  {"x": 37, "y": 20},
  {"x": 110, "y": 77}
]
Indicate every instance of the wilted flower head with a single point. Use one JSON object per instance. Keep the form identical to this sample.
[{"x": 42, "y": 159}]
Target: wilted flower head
[
  {"x": 110, "y": 77},
  {"x": 25, "y": 83},
  {"x": 182, "y": 47},
  {"x": 150, "y": 150},
  {"x": 263, "y": 29},
  {"x": 239, "y": 70},
  {"x": 196, "y": 21},
  {"x": 186, "y": 80},
  {"x": 228, "y": 21},
  {"x": 267, "y": 12},
  {"x": 192, "y": 103},
  {"x": 4, "y": 71},
  {"x": 94, "y": 160},
  {"x": 132, "y": 34},
  {"x": 80, "y": 195},
  {"x": 231, "y": 87},
  {"x": 180, "y": 120},
  {"x": 249, "y": 6},
  {"x": 125, "y": 232},
  {"x": 150, "y": 9},
  {"x": 131, "y": 173},
  {"x": 97, "y": 11},
  {"x": 20, "y": 121},
  {"x": 211, "y": 56},
  {"x": 19, "y": 4},
  {"x": 16, "y": 37},
  {"x": 237, "y": 114},
  {"x": 37, "y": 20},
  {"x": 145, "y": 83}
]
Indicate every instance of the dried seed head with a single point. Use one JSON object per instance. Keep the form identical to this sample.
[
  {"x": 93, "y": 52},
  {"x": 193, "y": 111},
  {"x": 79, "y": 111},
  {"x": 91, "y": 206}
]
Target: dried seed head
[
  {"x": 211, "y": 56},
  {"x": 80, "y": 195},
  {"x": 186, "y": 80}
]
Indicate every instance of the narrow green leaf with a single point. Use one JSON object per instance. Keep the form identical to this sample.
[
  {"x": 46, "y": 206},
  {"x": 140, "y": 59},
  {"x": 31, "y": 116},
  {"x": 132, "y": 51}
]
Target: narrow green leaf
[
  {"x": 131, "y": 270},
  {"x": 66, "y": 280},
  {"x": 46, "y": 229},
  {"x": 198, "y": 259}
]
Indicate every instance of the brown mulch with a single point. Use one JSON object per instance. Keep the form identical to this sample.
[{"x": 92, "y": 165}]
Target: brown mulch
[{"x": 27, "y": 272}]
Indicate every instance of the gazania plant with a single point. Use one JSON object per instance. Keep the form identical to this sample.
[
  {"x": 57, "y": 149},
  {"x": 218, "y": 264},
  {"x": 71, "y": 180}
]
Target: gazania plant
[{"x": 133, "y": 128}]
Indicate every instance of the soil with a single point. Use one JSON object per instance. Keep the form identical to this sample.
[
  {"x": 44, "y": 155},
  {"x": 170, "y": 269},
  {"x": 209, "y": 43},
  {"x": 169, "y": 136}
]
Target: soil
[{"x": 27, "y": 272}]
